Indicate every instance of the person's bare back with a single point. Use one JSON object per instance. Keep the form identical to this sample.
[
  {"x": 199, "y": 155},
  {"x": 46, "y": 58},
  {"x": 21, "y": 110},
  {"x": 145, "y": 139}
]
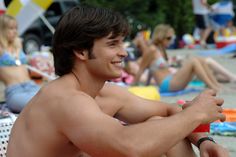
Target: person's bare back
[{"x": 37, "y": 129}]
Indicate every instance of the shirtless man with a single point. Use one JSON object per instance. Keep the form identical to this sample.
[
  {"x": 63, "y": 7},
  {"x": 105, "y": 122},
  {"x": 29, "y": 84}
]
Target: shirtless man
[{"x": 74, "y": 115}]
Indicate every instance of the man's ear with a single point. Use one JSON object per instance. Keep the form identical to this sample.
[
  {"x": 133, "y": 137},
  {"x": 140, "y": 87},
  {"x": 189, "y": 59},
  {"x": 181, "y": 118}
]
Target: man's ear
[{"x": 81, "y": 54}]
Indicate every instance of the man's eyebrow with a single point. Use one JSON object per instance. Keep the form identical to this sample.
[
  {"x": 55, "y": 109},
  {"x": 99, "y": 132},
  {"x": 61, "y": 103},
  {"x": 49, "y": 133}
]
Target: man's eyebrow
[{"x": 112, "y": 40}]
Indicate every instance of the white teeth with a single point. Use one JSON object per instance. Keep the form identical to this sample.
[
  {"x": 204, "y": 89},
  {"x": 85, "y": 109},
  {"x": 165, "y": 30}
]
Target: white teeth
[
  {"x": 123, "y": 64},
  {"x": 118, "y": 63}
]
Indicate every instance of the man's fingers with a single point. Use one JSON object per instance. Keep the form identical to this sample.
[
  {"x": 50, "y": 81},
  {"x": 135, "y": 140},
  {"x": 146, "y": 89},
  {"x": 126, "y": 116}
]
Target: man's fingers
[
  {"x": 219, "y": 101},
  {"x": 210, "y": 92},
  {"x": 220, "y": 109},
  {"x": 222, "y": 117}
]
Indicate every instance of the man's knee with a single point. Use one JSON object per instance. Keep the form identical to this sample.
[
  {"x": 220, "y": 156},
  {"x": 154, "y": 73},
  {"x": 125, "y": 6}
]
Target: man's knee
[{"x": 183, "y": 148}]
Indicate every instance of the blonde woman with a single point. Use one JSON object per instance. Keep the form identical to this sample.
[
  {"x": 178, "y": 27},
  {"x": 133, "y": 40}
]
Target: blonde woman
[
  {"x": 157, "y": 61},
  {"x": 13, "y": 72},
  {"x": 220, "y": 73}
]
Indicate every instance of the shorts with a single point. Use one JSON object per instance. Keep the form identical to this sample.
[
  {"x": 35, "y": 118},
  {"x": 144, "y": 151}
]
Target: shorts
[
  {"x": 165, "y": 84},
  {"x": 202, "y": 21},
  {"x": 18, "y": 95}
]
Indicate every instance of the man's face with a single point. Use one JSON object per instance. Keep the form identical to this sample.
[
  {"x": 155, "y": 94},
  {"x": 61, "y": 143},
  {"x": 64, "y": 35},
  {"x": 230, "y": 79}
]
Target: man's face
[{"x": 108, "y": 55}]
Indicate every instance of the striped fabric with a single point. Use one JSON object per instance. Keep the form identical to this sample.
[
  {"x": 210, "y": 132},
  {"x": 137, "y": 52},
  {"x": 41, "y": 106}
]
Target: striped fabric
[{"x": 26, "y": 11}]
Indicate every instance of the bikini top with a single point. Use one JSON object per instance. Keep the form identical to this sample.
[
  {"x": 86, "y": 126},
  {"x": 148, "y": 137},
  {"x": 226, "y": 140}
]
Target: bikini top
[
  {"x": 159, "y": 63},
  {"x": 6, "y": 59}
]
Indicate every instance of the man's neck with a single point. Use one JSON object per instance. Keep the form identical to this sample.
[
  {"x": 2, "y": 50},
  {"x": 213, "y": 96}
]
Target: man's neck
[{"x": 88, "y": 84}]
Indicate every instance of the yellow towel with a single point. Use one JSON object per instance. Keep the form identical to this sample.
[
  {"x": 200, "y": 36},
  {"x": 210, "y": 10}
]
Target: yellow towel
[{"x": 147, "y": 92}]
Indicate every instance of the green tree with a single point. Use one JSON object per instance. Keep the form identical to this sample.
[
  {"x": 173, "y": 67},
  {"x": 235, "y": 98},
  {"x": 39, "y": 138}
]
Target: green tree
[{"x": 177, "y": 13}]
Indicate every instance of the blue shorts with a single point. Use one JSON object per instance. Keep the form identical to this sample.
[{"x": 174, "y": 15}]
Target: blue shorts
[
  {"x": 18, "y": 95},
  {"x": 165, "y": 84}
]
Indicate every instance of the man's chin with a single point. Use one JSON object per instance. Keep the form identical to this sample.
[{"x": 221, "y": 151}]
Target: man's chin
[{"x": 115, "y": 77}]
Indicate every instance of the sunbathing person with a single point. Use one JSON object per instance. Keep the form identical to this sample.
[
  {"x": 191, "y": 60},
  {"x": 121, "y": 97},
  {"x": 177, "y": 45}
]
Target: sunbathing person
[
  {"x": 76, "y": 114},
  {"x": 157, "y": 62},
  {"x": 220, "y": 73},
  {"x": 13, "y": 72},
  {"x": 135, "y": 56}
]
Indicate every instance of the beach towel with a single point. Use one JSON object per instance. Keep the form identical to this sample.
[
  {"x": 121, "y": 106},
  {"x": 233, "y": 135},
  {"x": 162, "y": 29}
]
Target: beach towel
[
  {"x": 181, "y": 92},
  {"x": 223, "y": 129},
  {"x": 147, "y": 92},
  {"x": 227, "y": 128},
  {"x": 225, "y": 50}
]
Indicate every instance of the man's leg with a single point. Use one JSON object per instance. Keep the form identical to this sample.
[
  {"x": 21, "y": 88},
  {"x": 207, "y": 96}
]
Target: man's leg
[
  {"x": 183, "y": 148},
  {"x": 204, "y": 35}
]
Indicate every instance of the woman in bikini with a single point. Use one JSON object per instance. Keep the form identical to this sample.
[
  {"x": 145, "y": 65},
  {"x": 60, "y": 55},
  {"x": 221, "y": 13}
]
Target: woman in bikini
[
  {"x": 13, "y": 72},
  {"x": 156, "y": 59}
]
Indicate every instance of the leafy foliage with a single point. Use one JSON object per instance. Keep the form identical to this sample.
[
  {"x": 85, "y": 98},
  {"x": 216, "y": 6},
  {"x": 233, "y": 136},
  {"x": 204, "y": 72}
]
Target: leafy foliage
[{"x": 149, "y": 13}]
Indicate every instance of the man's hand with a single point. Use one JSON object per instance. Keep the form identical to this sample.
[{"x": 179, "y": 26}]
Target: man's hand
[
  {"x": 210, "y": 149},
  {"x": 208, "y": 106}
]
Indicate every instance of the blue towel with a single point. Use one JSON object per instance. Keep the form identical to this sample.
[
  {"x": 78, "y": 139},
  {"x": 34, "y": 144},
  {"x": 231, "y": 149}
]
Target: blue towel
[
  {"x": 197, "y": 84},
  {"x": 227, "y": 49},
  {"x": 181, "y": 92},
  {"x": 224, "y": 128}
]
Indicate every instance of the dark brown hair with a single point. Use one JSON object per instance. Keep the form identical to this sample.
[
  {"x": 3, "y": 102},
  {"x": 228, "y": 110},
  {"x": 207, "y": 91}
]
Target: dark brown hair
[{"x": 78, "y": 28}]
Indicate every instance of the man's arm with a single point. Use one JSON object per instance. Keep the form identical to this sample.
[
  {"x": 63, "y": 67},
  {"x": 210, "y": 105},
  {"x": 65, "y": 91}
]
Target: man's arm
[
  {"x": 155, "y": 133},
  {"x": 98, "y": 134},
  {"x": 146, "y": 59},
  {"x": 124, "y": 101},
  {"x": 144, "y": 109}
]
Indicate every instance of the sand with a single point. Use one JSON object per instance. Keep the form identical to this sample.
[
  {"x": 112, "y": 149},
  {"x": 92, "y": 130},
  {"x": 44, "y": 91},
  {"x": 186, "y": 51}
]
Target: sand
[{"x": 228, "y": 96}]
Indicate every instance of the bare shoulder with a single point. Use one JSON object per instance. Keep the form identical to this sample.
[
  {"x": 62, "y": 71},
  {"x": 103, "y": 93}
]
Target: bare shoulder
[
  {"x": 61, "y": 101},
  {"x": 111, "y": 90},
  {"x": 117, "y": 95}
]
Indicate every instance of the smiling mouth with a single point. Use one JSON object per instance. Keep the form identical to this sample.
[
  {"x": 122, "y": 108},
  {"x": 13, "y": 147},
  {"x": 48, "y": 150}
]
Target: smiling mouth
[{"x": 118, "y": 63}]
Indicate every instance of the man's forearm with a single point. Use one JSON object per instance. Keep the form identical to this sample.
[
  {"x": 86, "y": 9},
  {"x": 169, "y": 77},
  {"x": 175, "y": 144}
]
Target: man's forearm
[
  {"x": 163, "y": 133},
  {"x": 193, "y": 137},
  {"x": 173, "y": 109}
]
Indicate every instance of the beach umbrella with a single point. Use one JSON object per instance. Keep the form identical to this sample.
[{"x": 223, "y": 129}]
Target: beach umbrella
[{"x": 26, "y": 11}]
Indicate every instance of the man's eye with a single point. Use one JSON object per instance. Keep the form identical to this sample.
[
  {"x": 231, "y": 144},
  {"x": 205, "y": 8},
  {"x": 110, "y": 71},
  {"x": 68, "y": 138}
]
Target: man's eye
[{"x": 112, "y": 44}]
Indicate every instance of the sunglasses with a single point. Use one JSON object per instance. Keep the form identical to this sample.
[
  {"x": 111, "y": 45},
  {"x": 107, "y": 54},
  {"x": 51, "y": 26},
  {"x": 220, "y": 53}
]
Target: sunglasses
[{"x": 169, "y": 38}]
